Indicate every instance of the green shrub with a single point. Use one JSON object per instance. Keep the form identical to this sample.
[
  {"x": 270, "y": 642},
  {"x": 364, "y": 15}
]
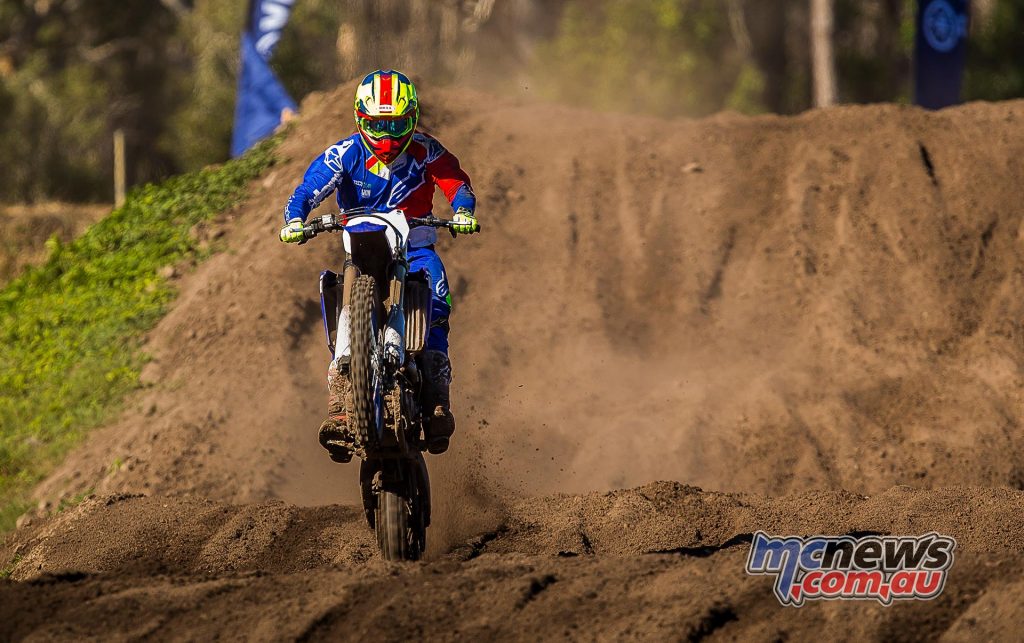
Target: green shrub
[{"x": 70, "y": 330}]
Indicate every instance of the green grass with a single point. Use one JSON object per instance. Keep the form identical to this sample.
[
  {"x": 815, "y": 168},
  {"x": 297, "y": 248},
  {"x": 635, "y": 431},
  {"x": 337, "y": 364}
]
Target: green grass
[
  {"x": 75, "y": 500},
  {"x": 71, "y": 329},
  {"x": 8, "y": 569}
]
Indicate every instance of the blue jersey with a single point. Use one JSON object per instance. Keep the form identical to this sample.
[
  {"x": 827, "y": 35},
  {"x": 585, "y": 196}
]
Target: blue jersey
[{"x": 349, "y": 169}]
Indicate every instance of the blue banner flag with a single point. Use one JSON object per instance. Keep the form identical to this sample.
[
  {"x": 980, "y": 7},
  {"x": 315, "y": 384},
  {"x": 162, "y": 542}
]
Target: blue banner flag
[
  {"x": 261, "y": 98},
  {"x": 940, "y": 51}
]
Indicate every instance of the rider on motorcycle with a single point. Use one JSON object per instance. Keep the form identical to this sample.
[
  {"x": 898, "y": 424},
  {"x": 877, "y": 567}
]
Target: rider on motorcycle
[{"x": 388, "y": 165}]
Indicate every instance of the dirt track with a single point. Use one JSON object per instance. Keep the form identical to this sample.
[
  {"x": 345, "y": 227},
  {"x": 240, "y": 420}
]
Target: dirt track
[
  {"x": 662, "y": 562},
  {"x": 810, "y": 308}
]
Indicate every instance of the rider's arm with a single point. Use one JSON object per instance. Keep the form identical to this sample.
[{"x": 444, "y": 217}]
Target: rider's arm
[
  {"x": 449, "y": 176},
  {"x": 321, "y": 179}
]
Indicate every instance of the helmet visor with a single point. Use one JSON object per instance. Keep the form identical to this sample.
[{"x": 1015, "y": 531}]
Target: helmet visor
[{"x": 378, "y": 127}]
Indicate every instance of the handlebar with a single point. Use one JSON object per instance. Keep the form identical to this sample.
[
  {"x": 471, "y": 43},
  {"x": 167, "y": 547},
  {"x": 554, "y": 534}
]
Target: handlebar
[{"x": 331, "y": 223}]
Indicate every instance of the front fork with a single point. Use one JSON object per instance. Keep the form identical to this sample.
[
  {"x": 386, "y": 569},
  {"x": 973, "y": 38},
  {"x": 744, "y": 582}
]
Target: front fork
[
  {"x": 343, "y": 342},
  {"x": 394, "y": 332}
]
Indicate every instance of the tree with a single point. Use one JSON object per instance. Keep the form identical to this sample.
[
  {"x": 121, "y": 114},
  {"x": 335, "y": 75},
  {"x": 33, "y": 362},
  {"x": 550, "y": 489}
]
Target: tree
[
  {"x": 70, "y": 74},
  {"x": 824, "y": 64}
]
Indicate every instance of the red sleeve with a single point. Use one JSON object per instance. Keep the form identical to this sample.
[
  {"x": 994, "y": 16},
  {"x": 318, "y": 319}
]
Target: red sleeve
[{"x": 449, "y": 176}]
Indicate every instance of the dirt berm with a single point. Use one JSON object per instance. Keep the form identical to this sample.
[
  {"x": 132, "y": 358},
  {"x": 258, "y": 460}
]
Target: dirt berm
[{"x": 818, "y": 317}]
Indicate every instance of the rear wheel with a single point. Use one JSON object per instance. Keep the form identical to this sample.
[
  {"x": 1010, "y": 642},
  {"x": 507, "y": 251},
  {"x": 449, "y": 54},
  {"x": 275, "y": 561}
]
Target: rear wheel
[
  {"x": 368, "y": 398},
  {"x": 394, "y": 536}
]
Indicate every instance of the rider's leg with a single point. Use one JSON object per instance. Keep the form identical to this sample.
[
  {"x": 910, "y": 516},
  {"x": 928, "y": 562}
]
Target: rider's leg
[
  {"x": 436, "y": 366},
  {"x": 334, "y": 435}
]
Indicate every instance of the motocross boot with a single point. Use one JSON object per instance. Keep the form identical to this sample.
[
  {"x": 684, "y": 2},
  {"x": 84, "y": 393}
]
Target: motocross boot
[
  {"x": 440, "y": 425},
  {"x": 335, "y": 435}
]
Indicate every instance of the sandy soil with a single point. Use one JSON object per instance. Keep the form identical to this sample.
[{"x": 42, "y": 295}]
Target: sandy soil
[{"x": 818, "y": 317}]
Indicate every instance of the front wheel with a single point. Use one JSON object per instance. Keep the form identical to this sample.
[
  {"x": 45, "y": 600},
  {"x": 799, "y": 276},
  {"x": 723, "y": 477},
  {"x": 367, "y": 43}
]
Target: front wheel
[{"x": 368, "y": 399}]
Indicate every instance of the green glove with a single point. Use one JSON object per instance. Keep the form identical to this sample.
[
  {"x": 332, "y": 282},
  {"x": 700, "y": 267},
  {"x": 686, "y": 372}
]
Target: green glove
[
  {"x": 465, "y": 222},
  {"x": 292, "y": 231}
]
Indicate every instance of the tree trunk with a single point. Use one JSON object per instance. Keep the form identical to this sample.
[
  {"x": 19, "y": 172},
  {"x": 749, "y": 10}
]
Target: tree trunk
[{"x": 822, "y": 57}]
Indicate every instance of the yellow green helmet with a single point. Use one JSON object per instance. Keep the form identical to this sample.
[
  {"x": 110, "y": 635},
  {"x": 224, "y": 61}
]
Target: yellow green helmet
[{"x": 387, "y": 112}]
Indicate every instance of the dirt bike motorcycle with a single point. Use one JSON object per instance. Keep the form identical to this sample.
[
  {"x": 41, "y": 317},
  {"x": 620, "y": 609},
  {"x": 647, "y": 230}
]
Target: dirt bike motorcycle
[{"x": 388, "y": 319}]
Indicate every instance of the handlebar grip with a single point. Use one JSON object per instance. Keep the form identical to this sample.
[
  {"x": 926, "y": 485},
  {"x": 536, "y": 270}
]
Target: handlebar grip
[{"x": 310, "y": 231}]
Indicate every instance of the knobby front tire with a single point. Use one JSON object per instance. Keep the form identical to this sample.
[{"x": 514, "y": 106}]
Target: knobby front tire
[{"x": 363, "y": 336}]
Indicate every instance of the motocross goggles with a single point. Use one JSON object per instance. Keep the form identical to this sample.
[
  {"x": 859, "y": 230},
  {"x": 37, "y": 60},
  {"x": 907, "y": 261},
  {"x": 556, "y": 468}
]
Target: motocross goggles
[{"x": 382, "y": 127}]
